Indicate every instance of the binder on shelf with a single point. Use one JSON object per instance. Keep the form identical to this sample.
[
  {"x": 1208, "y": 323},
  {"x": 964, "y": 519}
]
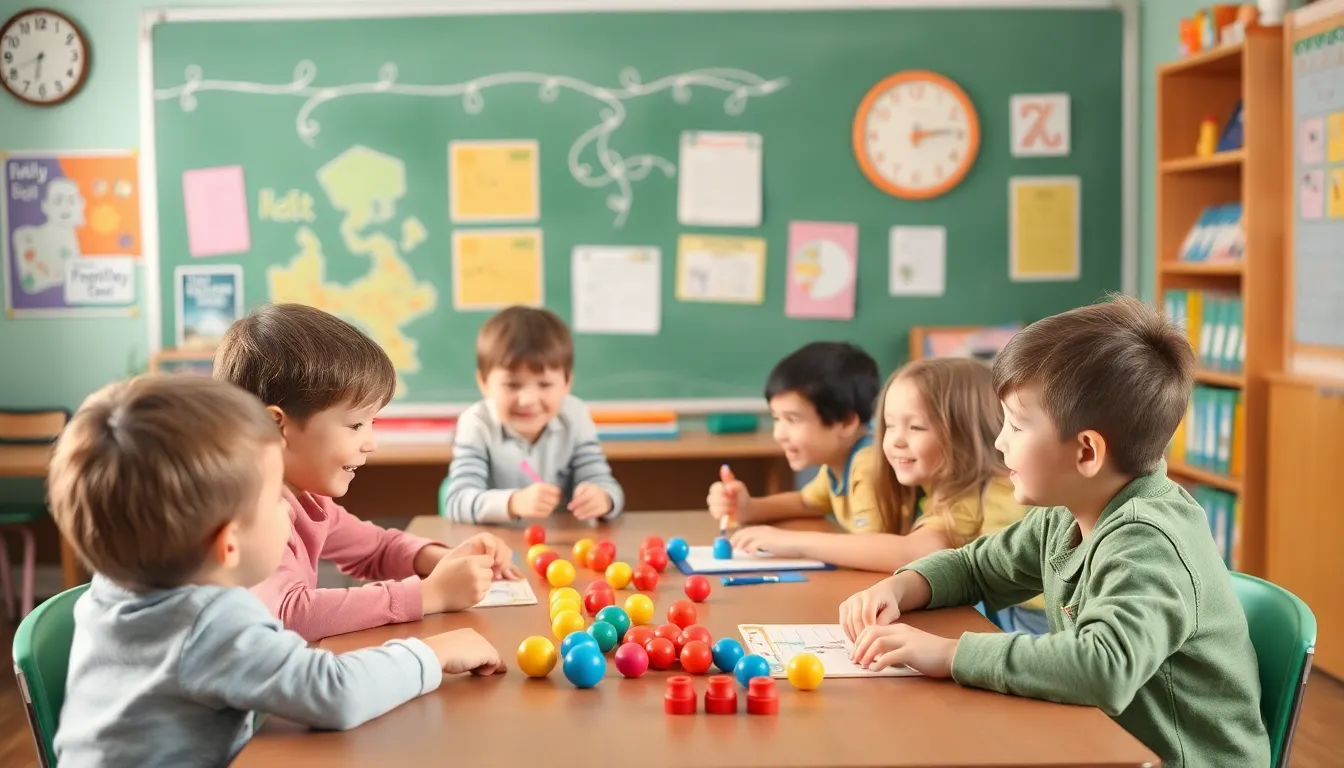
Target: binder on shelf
[{"x": 1216, "y": 236}]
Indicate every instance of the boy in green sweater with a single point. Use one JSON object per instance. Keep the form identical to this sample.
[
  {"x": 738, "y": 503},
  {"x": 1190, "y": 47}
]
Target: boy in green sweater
[{"x": 1143, "y": 620}]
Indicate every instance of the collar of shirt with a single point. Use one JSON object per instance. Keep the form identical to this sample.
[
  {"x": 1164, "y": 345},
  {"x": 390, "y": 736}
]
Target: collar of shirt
[{"x": 840, "y": 485}]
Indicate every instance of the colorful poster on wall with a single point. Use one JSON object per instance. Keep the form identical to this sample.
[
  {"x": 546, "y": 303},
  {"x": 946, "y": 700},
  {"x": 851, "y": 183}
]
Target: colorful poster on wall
[
  {"x": 496, "y": 268},
  {"x": 823, "y": 264},
  {"x": 71, "y": 226},
  {"x": 209, "y": 299}
]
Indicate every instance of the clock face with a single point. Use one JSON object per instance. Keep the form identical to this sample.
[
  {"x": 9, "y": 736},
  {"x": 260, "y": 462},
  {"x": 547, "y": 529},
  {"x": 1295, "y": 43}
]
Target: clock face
[
  {"x": 43, "y": 57},
  {"x": 916, "y": 135}
]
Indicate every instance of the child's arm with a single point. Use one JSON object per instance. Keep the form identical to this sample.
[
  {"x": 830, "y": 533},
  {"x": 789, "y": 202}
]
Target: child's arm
[
  {"x": 589, "y": 464},
  {"x": 881, "y": 552},
  {"x": 465, "y": 495},
  {"x": 370, "y": 552},
  {"x": 1002, "y": 569}
]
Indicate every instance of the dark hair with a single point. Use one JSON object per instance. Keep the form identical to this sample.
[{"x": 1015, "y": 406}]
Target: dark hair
[
  {"x": 303, "y": 361},
  {"x": 839, "y": 379},
  {"x": 524, "y": 336},
  {"x": 1120, "y": 368}
]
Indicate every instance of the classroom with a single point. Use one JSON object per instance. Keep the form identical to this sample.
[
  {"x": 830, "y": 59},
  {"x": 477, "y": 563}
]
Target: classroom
[{"x": 500, "y": 271}]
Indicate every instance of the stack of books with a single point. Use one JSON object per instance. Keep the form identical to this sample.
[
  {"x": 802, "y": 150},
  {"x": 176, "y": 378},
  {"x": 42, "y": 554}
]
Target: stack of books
[
  {"x": 1212, "y": 434},
  {"x": 1213, "y": 323},
  {"x": 636, "y": 425},
  {"x": 1217, "y": 236}
]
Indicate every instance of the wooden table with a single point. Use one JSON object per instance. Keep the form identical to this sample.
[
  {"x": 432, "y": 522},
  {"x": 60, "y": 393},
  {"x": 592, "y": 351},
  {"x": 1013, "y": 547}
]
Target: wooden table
[
  {"x": 514, "y": 721},
  {"x": 31, "y": 461}
]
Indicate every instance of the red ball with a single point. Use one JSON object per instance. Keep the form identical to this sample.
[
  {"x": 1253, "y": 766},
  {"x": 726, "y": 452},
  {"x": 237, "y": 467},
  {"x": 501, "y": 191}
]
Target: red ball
[
  {"x": 606, "y": 546},
  {"x": 596, "y": 600},
  {"x": 600, "y": 586},
  {"x": 598, "y": 560},
  {"x": 696, "y": 657},
  {"x": 653, "y": 542},
  {"x": 534, "y": 535},
  {"x": 646, "y": 578},
  {"x": 696, "y": 632},
  {"x": 631, "y": 659},
  {"x": 641, "y": 633},
  {"x": 682, "y": 613},
  {"x": 544, "y": 561},
  {"x": 662, "y": 653},
  {"x": 654, "y": 558},
  {"x": 671, "y": 632},
  {"x": 697, "y": 588}
]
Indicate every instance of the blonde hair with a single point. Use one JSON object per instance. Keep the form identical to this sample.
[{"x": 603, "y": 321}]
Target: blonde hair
[
  {"x": 149, "y": 470},
  {"x": 966, "y": 416}
]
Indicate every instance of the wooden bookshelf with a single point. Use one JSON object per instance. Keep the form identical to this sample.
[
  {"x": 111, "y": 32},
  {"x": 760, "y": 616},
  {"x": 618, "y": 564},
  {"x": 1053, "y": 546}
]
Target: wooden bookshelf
[{"x": 1212, "y": 83}]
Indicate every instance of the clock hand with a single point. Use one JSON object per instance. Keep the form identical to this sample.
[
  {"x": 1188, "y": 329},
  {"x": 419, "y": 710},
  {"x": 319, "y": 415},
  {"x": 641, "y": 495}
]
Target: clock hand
[
  {"x": 917, "y": 136},
  {"x": 37, "y": 74}
]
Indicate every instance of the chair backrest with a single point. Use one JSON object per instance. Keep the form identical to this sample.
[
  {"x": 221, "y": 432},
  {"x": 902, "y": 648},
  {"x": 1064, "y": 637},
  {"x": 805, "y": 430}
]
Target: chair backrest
[
  {"x": 32, "y": 426},
  {"x": 1283, "y": 631},
  {"x": 41, "y": 660}
]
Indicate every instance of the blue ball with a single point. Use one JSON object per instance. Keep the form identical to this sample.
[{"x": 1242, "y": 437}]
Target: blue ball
[
  {"x": 748, "y": 666},
  {"x": 727, "y": 652},
  {"x": 678, "y": 549},
  {"x": 616, "y": 617},
  {"x": 574, "y": 639},
  {"x": 723, "y": 548},
  {"x": 584, "y": 664}
]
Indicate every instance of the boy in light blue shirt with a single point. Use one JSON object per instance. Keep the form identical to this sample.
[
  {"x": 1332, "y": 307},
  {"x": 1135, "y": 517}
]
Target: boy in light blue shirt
[{"x": 170, "y": 488}]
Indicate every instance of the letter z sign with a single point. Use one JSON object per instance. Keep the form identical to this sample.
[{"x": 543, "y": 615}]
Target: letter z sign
[{"x": 1040, "y": 123}]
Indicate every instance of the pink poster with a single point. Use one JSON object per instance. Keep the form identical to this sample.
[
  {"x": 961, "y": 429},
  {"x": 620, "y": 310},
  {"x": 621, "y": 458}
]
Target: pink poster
[
  {"x": 823, "y": 264},
  {"x": 216, "y": 203}
]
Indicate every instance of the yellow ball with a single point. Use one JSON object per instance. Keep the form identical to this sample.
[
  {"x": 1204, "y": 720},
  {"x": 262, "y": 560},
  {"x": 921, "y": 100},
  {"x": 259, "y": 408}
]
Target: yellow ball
[
  {"x": 565, "y": 592},
  {"x": 639, "y": 608},
  {"x": 560, "y": 573},
  {"x": 581, "y": 549},
  {"x": 805, "y": 671},
  {"x": 565, "y": 623},
  {"x": 565, "y": 605},
  {"x": 533, "y": 553},
  {"x": 618, "y": 575},
  {"x": 536, "y": 656}
]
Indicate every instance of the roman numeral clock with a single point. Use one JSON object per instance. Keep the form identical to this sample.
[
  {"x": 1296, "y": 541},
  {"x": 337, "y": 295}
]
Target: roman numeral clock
[
  {"x": 916, "y": 135},
  {"x": 44, "y": 57}
]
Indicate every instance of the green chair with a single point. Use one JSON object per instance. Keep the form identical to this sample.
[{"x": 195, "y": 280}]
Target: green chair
[
  {"x": 1283, "y": 631},
  {"x": 41, "y": 659}
]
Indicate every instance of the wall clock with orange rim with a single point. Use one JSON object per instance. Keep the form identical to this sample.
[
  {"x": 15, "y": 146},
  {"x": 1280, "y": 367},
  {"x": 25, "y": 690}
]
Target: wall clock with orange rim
[{"x": 916, "y": 135}]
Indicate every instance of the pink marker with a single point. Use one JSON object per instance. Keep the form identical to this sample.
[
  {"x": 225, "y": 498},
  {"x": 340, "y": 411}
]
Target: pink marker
[{"x": 530, "y": 472}]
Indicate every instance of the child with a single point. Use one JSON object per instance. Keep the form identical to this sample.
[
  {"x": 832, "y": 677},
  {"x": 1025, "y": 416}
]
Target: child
[
  {"x": 1144, "y": 621},
  {"x": 529, "y": 446},
  {"x": 821, "y": 399},
  {"x": 171, "y": 489},
  {"x": 322, "y": 381}
]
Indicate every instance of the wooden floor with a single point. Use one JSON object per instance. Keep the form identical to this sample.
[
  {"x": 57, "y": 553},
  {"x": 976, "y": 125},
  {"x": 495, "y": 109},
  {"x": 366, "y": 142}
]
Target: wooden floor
[{"x": 1319, "y": 742}]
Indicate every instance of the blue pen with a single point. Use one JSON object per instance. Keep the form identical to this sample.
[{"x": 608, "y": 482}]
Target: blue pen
[{"x": 782, "y": 578}]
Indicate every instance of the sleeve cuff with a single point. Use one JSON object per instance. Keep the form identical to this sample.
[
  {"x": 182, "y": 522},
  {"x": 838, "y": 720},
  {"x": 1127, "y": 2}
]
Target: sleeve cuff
[
  {"x": 407, "y": 602},
  {"x": 980, "y": 658},
  {"x": 493, "y": 506},
  {"x": 431, "y": 674}
]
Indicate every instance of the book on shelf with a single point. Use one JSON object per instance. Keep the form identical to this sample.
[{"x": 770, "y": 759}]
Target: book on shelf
[
  {"x": 1217, "y": 236},
  {"x": 1212, "y": 434},
  {"x": 1223, "y": 509},
  {"x": 1233, "y": 132},
  {"x": 1213, "y": 322},
  {"x": 636, "y": 425}
]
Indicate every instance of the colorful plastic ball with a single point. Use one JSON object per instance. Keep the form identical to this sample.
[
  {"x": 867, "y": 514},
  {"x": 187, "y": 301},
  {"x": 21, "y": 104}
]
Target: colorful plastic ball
[
  {"x": 569, "y": 592},
  {"x": 597, "y": 560},
  {"x": 585, "y": 665},
  {"x": 533, "y": 551},
  {"x": 750, "y": 666},
  {"x": 536, "y": 656},
  {"x": 696, "y": 632},
  {"x": 534, "y": 535},
  {"x": 575, "y": 639},
  {"x": 619, "y": 575},
  {"x": 581, "y": 549},
  {"x": 640, "y": 609},
  {"x": 596, "y": 601},
  {"x": 631, "y": 659},
  {"x": 646, "y": 578},
  {"x": 723, "y": 548},
  {"x": 544, "y": 561},
  {"x": 696, "y": 657},
  {"x": 727, "y": 652},
  {"x": 560, "y": 573},
  {"x": 565, "y": 624},
  {"x": 616, "y": 617},
  {"x": 662, "y": 653},
  {"x": 640, "y": 634},
  {"x": 678, "y": 549},
  {"x": 560, "y": 606},
  {"x": 682, "y": 613},
  {"x": 671, "y": 632},
  {"x": 655, "y": 559},
  {"x": 652, "y": 542},
  {"x": 604, "y": 634},
  {"x": 805, "y": 671},
  {"x": 608, "y": 547},
  {"x": 697, "y": 588}
]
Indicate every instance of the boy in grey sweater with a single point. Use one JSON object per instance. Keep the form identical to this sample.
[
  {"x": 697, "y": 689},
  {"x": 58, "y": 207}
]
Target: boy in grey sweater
[{"x": 169, "y": 488}]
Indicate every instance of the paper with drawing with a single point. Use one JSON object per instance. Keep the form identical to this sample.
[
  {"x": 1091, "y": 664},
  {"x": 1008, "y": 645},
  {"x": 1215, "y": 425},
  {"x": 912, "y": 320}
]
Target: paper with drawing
[{"x": 780, "y": 642}]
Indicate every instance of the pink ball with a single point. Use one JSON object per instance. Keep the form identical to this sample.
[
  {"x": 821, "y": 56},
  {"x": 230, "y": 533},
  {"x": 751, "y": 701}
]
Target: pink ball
[{"x": 632, "y": 660}]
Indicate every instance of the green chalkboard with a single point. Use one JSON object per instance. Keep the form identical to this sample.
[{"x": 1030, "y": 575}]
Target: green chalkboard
[{"x": 283, "y": 98}]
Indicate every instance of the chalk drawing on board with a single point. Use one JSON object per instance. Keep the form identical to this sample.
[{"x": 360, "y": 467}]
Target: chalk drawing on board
[{"x": 614, "y": 168}]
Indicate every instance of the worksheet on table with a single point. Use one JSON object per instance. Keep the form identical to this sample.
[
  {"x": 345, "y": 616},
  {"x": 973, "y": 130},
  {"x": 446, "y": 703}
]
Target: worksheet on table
[
  {"x": 505, "y": 593},
  {"x": 780, "y": 642}
]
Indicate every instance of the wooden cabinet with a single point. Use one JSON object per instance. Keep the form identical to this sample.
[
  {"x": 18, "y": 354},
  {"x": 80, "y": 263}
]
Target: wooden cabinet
[{"x": 1306, "y": 504}]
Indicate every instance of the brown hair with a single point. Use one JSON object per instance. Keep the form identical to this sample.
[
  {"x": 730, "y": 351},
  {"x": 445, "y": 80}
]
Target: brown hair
[
  {"x": 524, "y": 336},
  {"x": 966, "y": 417},
  {"x": 150, "y": 469},
  {"x": 1119, "y": 367},
  {"x": 304, "y": 361}
]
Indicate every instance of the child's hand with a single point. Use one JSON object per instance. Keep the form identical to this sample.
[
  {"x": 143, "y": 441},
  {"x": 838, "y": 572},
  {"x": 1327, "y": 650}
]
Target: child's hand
[
  {"x": 501, "y": 557},
  {"x": 901, "y": 644},
  {"x": 876, "y": 605},
  {"x": 536, "y": 500},
  {"x": 589, "y": 502},
  {"x": 728, "y": 499},
  {"x": 457, "y": 583},
  {"x": 464, "y": 650},
  {"x": 776, "y": 541}
]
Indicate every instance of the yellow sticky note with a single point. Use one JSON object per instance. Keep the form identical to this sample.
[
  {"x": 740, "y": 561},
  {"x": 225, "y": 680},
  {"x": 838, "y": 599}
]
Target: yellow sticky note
[
  {"x": 721, "y": 269},
  {"x": 493, "y": 181},
  {"x": 496, "y": 268},
  {"x": 1335, "y": 138},
  {"x": 1335, "y": 194},
  {"x": 1045, "y": 237}
]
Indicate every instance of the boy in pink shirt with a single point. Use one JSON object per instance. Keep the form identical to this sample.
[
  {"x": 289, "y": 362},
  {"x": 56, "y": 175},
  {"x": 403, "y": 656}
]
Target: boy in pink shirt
[{"x": 323, "y": 380}]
